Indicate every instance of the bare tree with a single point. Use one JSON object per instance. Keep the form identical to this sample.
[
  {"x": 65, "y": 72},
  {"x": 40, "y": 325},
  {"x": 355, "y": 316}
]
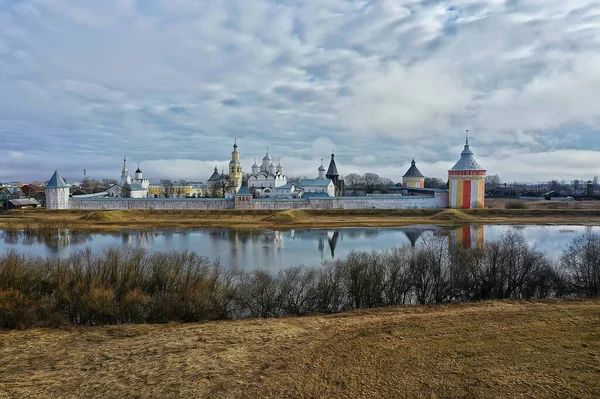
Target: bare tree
[
  {"x": 167, "y": 187},
  {"x": 492, "y": 182},
  {"x": 434, "y": 182},
  {"x": 372, "y": 180}
]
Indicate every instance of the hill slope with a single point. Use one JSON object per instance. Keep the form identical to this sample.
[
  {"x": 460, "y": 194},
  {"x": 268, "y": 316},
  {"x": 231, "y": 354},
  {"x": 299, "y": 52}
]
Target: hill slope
[{"x": 493, "y": 349}]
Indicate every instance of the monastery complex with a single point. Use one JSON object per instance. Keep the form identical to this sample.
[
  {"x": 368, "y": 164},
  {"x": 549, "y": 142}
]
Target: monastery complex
[{"x": 267, "y": 187}]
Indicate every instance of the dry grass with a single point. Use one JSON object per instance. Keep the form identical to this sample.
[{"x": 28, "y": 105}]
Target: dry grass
[
  {"x": 548, "y": 349},
  {"x": 538, "y": 212}
]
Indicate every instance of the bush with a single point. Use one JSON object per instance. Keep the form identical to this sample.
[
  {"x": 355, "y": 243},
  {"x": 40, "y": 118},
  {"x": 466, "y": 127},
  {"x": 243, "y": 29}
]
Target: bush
[{"x": 132, "y": 286}]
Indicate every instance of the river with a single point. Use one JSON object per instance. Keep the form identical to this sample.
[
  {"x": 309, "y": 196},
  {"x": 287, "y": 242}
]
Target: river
[{"x": 273, "y": 250}]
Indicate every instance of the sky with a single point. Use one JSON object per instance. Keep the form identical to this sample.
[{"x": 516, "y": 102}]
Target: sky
[{"x": 171, "y": 83}]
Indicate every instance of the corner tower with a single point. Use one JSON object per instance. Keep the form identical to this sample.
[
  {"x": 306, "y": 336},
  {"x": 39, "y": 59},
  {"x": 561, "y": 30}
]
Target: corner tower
[
  {"x": 466, "y": 181},
  {"x": 235, "y": 167},
  {"x": 57, "y": 192},
  {"x": 413, "y": 177}
]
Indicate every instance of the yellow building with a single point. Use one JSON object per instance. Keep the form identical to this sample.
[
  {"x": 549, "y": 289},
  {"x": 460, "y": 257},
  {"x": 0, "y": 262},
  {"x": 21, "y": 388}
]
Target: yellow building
[
  {"x": 466, "y": 181},
  {"x": 413, "y": 177},
  {"x": 176, "y": 191},
  {"x": 235, "y": 167}
]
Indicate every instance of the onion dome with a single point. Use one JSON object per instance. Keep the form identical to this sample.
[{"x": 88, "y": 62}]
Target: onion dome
[
  {"x": 138, "y": 169},
  {"x": 268, "y": 157},
  {"x": 413, "y": 171},
  {"x": 279, "y": 167},
  {"x": 466, "y": 161},
  {"x": 321, "y": 168}
]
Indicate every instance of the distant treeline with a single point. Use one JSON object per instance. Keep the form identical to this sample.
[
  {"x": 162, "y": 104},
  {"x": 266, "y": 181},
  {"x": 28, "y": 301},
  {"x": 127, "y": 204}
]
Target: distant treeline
[{"x": 132, "y": 286}]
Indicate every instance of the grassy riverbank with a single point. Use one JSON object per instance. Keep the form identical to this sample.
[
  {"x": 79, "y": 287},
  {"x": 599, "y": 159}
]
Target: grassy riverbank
[
  {"x": 538, "y": 213},
  {"x": 484, "y": 350}
]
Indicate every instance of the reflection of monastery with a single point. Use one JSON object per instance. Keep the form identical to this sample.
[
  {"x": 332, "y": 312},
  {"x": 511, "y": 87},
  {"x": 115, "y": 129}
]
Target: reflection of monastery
[{"x": 267, "y": 188}]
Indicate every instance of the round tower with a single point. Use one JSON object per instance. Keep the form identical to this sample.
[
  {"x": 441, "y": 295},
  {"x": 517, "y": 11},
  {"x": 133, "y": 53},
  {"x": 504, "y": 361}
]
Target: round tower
[
  {"x": 466, "y": 181},
  {"x": 57, "y": 192},
  {"x": 413, "y": 177},
  {"x": 235, "y": 167}
]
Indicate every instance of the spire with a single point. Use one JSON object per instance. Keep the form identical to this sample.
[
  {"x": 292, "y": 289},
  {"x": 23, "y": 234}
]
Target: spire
[
  {"x": 332, "y": 170},
  {"x": 235, "y": 143},
  {"x": 466, "y": 161}
]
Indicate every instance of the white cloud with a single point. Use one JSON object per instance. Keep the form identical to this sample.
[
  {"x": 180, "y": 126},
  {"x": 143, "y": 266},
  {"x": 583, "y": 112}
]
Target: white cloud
[{"x": 172, "y": 82}]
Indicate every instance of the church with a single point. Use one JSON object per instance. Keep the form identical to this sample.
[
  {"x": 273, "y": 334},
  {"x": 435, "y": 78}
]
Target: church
[
  {"x": 128, "y": 187},
  {"x": 267, "y": 175}
]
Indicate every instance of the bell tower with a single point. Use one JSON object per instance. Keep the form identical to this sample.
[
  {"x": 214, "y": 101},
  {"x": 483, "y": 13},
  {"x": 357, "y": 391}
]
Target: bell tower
[{"x": 235, "y": 167}]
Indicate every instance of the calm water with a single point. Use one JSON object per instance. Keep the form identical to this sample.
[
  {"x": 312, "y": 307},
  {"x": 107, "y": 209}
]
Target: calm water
[{"x": 273, "y": 250}]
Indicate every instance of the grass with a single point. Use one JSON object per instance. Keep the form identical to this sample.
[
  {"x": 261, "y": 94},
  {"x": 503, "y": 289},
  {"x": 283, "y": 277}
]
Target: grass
[
  {"x": 540, "y": 212},
  {"x": 543, "y": 349}
]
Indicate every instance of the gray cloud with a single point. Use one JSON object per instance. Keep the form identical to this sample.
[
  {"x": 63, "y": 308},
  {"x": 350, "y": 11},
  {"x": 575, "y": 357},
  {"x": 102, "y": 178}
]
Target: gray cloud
[{"x": 171, "y": 83}]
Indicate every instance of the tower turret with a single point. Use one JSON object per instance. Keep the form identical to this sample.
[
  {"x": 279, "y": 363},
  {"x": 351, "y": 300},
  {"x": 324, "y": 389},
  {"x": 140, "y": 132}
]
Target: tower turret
[
  {"x": 57, "y": 192},
  {"x": 466, "y": 181},
  {"x": 413, "y": 177},
  {"x": 332, "y": 173}
]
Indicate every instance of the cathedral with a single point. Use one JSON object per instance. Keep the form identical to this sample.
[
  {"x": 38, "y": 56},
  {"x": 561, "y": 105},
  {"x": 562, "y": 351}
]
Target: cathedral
[{"x": 267, "y": 175}]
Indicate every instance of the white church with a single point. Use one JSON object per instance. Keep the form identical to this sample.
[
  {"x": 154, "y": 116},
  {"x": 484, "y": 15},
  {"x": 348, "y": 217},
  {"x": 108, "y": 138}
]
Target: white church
[
  {"x": 128, "y": 187},
  {"x": 266, "y": 177}
]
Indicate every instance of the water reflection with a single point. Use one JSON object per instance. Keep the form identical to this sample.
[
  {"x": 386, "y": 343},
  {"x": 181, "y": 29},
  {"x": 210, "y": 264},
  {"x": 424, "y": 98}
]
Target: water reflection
[{"x": 273, "y": 250}]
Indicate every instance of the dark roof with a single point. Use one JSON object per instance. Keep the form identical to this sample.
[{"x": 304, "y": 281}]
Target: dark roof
[
  {"x": 332, "y": 170},
  {"x": 26, "y": 201},
  {"x": 466, "y": 161},
  {"x": 215, "y": 176},
  {"x": 413, "y": 171},
  {"x": 56, "y": 181}
]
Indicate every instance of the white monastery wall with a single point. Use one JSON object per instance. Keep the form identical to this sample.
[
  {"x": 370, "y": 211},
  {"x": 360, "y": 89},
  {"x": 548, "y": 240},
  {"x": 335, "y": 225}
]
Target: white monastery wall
[
  {"x": 440, "y": 200},
  {"x": 150, "y": 203}
]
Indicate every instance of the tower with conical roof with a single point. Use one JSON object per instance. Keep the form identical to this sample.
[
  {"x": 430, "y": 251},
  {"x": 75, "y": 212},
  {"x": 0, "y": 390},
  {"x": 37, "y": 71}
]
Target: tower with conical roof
[
  {"x": 413, "y": 177},
  {"x": 466, "y": 181},
  {"x": 57, "y": 192},
  {"x": 235, "y": 167},
  {"x": 332, "y": 173}
]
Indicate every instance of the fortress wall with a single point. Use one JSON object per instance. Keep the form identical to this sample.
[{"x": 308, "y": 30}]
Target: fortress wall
[
  {"x": 150, "y": 203},
  {"x": 440, "y": 200}
]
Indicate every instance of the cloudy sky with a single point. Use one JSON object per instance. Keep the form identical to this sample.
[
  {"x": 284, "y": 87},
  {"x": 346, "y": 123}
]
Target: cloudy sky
[{"x": 171, "y": 83}]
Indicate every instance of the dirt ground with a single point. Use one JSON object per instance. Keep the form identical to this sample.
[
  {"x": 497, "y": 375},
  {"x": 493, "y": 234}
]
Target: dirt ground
[
  {"x": 547, "y": 349},
  {"x": 497, "y": 211}
]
